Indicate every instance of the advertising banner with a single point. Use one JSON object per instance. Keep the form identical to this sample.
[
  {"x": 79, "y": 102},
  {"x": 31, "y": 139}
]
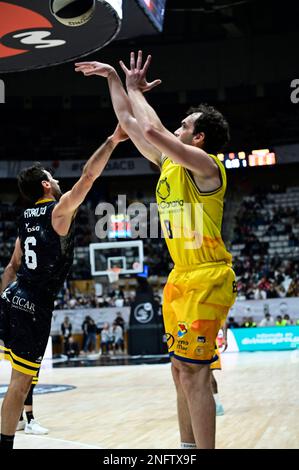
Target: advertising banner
[
  {"x": 73, "y": 169},
  {"x": 263, "y": 339},
  {"x": 76, "y": 316}
]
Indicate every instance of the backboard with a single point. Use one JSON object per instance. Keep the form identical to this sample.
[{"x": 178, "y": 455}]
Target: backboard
[{"x": 127, "y": 256}]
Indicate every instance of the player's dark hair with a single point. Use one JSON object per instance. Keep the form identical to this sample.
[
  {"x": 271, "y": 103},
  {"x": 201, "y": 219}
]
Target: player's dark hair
[
  {"x": 214, "y": 125},
  {"x": 30, "y": 182}
]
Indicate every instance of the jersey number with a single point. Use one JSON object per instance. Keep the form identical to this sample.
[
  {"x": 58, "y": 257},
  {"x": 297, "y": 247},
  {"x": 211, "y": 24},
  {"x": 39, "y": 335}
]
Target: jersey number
[{"x": 30, "y": 255}]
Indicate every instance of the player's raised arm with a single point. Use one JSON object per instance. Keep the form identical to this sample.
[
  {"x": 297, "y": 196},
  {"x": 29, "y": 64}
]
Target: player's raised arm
[
  {"x": 10, "y": 272},
  {"x": 64, "y": 211},
  {"x": 122, "y": 105},
  {"x": 189, "y": 156}
]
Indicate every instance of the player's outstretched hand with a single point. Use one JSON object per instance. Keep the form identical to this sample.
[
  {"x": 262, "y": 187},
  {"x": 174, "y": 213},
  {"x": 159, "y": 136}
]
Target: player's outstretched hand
[
  {"x": 136, "y": 75},
  {"x": 94, "y": 68}
]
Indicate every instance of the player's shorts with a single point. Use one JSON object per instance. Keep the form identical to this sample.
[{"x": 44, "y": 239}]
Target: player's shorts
[
  {"x": 36, "y": 378},
  {"x": 196, "y": 302},
  {"x": 25, "y": 324},
  {"x": 216, "y": 365}
]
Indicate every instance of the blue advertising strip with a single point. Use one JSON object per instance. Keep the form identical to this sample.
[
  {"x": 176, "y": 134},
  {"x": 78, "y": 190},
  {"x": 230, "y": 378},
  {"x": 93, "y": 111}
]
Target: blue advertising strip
[{"x": 267, "y": 339}]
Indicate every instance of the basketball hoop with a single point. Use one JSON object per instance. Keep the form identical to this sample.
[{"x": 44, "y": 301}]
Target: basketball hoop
[
  {"x": 113, "y": 274},
  {"x": 136, "y": 266}
]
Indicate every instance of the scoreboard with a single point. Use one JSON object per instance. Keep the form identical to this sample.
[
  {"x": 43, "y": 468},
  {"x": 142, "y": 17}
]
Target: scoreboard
[
  {"x": 242, "y": 159},
  {"x": 155, "y": 10},
  {"x": 119, "y": 226}
]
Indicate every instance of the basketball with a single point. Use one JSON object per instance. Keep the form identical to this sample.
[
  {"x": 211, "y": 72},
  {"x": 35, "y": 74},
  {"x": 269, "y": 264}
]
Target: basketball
[{"x": 72, "y": 12}]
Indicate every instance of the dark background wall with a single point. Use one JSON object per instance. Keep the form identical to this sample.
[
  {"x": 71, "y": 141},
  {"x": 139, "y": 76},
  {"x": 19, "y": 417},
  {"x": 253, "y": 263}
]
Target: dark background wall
[{"x": 241, "y": 59}]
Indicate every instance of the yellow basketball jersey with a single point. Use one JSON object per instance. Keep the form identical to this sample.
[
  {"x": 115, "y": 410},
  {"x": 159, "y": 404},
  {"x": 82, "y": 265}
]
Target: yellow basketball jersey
[{"x": 191, "y": 220}]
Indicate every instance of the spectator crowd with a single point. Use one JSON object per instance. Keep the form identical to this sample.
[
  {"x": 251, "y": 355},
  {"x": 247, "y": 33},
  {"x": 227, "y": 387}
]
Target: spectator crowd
[{"x": 260, "y": 273}]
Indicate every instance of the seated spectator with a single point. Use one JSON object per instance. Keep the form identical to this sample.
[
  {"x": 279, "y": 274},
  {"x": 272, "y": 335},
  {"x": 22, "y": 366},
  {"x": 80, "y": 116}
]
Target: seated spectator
[
  {"x": 279, "y": 321},
  {"x": 293, "y": 290},
  {"x": 281, "y": 291},
  {"x": 286, "y": 320},
  {"x": 119, "y": 320},
  {"x": 72, "y": 303},
  {"x": 271, "y": 292},
  {"x": 267, "y": 321},
  {"x": 244, "y": 321},
  {"x": 232, "y": 323},
  {"x": 72, "y": 348},
  {"x": 119, "y": 302},
  {"x": 106, "y": 339},
  {"x": 117, "y": 337},
  {"x": 249, "y": 323}
]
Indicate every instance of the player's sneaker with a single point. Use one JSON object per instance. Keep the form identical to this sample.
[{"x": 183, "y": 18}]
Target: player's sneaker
[
  {"x": 219, "y": 410},
  {"x": 21, "y": 425},
  {"x": 35, "y": 428}
]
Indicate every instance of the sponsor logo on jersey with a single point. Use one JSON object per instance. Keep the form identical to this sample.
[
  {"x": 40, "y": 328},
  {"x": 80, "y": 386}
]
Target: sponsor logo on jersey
[
  {"x": 183, "y": 329},
  {"x": 36, "y": 228},
  {"x": 199, "y": 351},
  {"x": 201, "y": 339},
  {"x": 23, "y": 304},
  {"x": 163, "y": 189},
  {"x": 171, "y": 204},
  {"x": 4, "y": 295},
  {"x": 182, "y": 345},
  {"x": 170, "y": 340}
]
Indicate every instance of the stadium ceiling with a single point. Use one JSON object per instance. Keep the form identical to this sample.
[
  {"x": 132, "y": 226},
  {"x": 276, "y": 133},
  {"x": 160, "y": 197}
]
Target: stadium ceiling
[{"x": 212, "y": 20}]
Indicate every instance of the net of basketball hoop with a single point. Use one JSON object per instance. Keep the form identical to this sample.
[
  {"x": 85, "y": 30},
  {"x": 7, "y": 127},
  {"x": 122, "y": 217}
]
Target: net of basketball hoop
[{"x": 113, "y": 274}]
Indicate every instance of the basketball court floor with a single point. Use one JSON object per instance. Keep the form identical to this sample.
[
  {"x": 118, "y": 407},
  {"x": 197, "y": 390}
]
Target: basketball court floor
[{"x": 133, "y": 406}]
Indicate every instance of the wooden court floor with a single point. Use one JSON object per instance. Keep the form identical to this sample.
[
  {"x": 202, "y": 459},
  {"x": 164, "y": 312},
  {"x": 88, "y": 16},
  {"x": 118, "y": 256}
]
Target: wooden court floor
[{"x": 133, "y": 407}]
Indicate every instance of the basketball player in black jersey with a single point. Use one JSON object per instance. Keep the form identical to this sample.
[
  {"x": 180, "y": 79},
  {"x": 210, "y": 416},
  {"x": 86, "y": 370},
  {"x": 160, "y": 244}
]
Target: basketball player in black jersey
[{"x": 40, "y": 262}]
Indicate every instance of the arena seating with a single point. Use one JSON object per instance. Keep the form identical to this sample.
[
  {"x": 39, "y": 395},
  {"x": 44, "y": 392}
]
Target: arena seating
[
  {"x": 265, "y": 248},
  {"x": 265, "y": 245}
]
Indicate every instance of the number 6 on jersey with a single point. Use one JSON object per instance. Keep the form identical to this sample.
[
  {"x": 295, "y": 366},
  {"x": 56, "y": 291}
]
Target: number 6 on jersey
[{"x": 30, "y": 255}]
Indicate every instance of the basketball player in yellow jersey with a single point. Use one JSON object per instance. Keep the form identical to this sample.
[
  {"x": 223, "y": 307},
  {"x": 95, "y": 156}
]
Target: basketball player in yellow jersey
[{"x": 201, "y": 288}]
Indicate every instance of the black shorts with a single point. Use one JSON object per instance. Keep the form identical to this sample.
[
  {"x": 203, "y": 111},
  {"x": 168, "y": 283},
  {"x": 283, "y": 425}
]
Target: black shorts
[{"x": 25, "y": 324}]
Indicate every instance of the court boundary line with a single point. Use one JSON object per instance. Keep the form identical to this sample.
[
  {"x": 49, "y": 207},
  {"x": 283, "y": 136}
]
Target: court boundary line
[{"x": 28, "y": 436}]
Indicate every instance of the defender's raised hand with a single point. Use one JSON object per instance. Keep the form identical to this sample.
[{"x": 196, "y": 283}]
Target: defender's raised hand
[
  {"x": 136, "y": 75},
  {"x": 94, "y": 68}
]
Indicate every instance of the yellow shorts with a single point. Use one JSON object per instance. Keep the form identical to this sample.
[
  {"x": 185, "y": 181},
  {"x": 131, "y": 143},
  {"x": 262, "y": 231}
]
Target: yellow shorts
[
  {"x": 196, "y": 302},
  {"x": 216, "y": 365}
]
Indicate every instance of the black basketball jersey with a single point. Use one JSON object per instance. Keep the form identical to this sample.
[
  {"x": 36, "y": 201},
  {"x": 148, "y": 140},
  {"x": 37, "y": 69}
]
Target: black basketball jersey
[{"x": 47, "y": 257}]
